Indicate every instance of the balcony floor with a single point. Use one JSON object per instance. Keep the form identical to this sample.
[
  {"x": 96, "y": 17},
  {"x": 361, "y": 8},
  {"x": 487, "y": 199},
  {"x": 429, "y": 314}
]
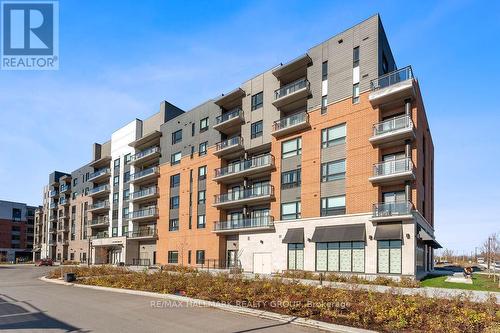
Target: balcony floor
[
  {"x": 393, "y": 179},
  {"x": 393, "y": 138}
]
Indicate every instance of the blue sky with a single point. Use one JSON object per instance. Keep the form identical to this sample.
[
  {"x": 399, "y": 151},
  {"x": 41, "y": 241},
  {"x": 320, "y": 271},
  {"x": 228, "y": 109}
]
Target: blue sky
[{"x": 119, "y": 59}]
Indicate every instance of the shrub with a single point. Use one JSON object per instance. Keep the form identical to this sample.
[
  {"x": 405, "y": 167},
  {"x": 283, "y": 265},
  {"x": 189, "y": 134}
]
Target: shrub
[{"x": 83, "y": 271}]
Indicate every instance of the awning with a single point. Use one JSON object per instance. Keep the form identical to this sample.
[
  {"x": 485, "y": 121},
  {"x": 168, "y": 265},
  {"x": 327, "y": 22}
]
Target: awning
[
  {"x": 340, "y": 233},
  {"x": 434, "y": 244},
  {"x": 428, "y": 239},
  {"x": 389, "y": 231},
  {"x": 295, "y": 235}
]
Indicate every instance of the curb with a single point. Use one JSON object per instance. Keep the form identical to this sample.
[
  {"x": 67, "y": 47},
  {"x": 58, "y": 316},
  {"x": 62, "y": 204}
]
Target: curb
[{"x": 225, "y": 307}]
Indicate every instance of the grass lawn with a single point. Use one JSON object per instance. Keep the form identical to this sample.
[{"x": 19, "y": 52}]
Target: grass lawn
[{"x": 479, "y": 282}]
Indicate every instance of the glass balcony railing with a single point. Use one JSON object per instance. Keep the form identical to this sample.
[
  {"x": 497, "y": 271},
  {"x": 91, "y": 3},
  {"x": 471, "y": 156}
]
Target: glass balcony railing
[
  {"x": 234, "y": 141},
  {"x": 241, "y": 166},
  {"x": 63, "y": 201},
  {"x": 99, "y": 205},
  {"x": 144, "y": 173},
  {"x": 99, "y": 173},
  {"x": 255, "y": 222},
  {"x": 102, "y": 234},
  {"x": 65, "y": 187},
  {"x": 100, "y": 220},
  {"x": 392, "y": 125},
  {"x": 102, "y": 188},
  {"x": 144, "y": 153},
  {"x": 391, "y": 78},
  {"x": 396, "y": 208},
  {"x": 53, "y": 193},
  {"x": 296, "y": 119},
  {"x": 144, "y": 193},
  {"x": 52, "y": 205},
  {"x": 291, "y": 88},
  {"x": 142, "y": 232},
  {"x": 392, "y": 167},
  {"x": 143, "y": 213},
  {"x": 235, "y": 113},
  {"x": 248, "y": 193}
]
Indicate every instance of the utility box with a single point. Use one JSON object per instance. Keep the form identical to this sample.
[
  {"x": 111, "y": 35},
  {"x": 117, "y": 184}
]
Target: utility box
[{"x": 69, "y": 277}]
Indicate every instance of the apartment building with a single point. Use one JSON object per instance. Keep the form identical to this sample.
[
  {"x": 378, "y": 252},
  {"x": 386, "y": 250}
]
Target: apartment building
[
  {"x": 16, "y": 231},
  {"x": 324, "y": 163}
]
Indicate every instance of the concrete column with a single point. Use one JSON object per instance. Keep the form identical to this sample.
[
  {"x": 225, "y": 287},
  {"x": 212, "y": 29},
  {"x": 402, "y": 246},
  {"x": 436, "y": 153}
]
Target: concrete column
[{"x": 408, "y": 107}]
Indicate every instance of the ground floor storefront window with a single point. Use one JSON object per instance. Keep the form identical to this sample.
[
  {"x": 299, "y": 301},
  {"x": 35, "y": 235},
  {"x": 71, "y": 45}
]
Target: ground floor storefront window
[
  {"x": 296, "y": 256},
  {"x": 389, "y": 256},
  {"x": 340, "y": 257}
]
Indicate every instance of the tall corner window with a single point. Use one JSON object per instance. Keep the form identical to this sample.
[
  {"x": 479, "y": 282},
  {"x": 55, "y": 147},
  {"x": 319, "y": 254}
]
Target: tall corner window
[
  {"x": 291, "y": 148},
  {"x": 355, "y": 57},
  {"x": 324, "y": 71},
  {"x": 355, "y": 93},
  {"x": 333, "y": 136},
  {"x": 324, "y": 103},
  {"x": 256, "y": 129},
  {"x": 257, "y": 101}
]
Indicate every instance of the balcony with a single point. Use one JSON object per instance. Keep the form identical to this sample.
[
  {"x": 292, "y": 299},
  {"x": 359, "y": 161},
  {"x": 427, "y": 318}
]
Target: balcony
[
  {"x": 143, "y": 233},
  {"x": 99, "y": 191},
  {"x": 100, "y": 222},
  {"x": 229, "y": 120},
  {"x": 53, "y": 193},
  {"x": 392, "y": 211},
  {"x": 253, "y": 195},
  {"x": 99, "y": 175},
  {"x": 290, "y": 124},
  {"x": 146, "y": 194},
  {"x": 393, "y": 131},
  {"x": 65, "y": 188},
  {"x": 63, "y": 228},
  {"x": 144, "y": 175},
  {"x": 393, "y": 172},
  {"x": 102, "y": 234},
  {"x": 100, "y": 206},
  {"x": 52, "y": 230},
  {"x": 52, "y": 205},
  {"x": 63, "y": 201},
  {"x": 146, "y": 155},
  {"x": 292, "y": 92},
  {"x": 251, "y": 167},
  {"x": 397, "y": 85},
  {"x": 252, "y": 224},
  {"x": 229, "y": 146},
  {"x": 144, "y": 214}
]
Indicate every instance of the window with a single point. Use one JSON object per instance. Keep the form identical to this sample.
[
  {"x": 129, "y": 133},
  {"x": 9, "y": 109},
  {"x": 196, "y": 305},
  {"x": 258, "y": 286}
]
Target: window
[
  {"x": 175, "y": 158},
  {"x": 173, "y": 257},
  {"x": 177, "y": 136},
  {"x": 201, "y": 221},
  {"x": 117, "y": 163},
  {"x": 127, "y": 158},
  {"x": 203, "y": 149},
  {"x": 114, "y": 215},
  {"x": 204, "y": 124},
  {"x": 174, "y": 202},
  {"x": 115, "y": 198},
  {"x": 256, "y": 129},
  {"x": 340, "y": 257},
  {"x": 126, "y": 194},
  {"x": 125, "y": 230},
  {"x": 355, "y": 57},
  {"x": 74, "y": 195},
  {"x": 290, "y": 210},
  {"x": 333, "y": 171},
  {"x": 116, "y": 180},
  {"x": 16, "y": 214},
  {"x": 175, "y": 180},
  {"x": 257, "y": 100},
  {"x": 189, "y": 257},
  {"x": 202, "y": 197},
  {"x": 333, "y": 205},
  {"x": 333, "y": 136},
  {"x": 296, "y": 256},
  {"x": 114, "y": 232},
  {"x": 75, "y": 181},
  {"x": 126, "y": 176},
  {"x": 324, "y": 102},
  {"x": 193, "y": 129},
  {"x": 385, "y": 64},
  {"x": 355, "y": 93},
  {"x": 291, "y": 148},
  {"x": 192, "y": 152},
  {"x": 125, "y": 212},
  {"x": 190, "y": 222},
  {"x": 202, "y": 172},
  {"x": 173, "y": 225},
  {"x": 290, "y": 179},
  {"x": 389, "y": 256},
  {"x": 200, "y": 257},
  {"x": 324, "y": 71},
  {"x": 86, "y": 191}
]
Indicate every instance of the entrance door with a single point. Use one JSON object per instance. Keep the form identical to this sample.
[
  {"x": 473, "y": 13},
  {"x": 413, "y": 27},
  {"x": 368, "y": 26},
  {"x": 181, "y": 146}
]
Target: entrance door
[
  {"x": 231, "y": 258},
  {"x": 262, "y": 263}
]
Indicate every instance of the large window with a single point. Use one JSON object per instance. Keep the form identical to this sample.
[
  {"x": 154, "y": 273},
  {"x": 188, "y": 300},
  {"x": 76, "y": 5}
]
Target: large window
[
  {"x": 355, "y": 57},
  {"x": 173, "y": 224},
  {"x": 257, "y": 100},
  {"x": 340, "y": 257},
  {"x": 116, "y": 180},
  {"x": 201, "y": 221},
  {"x": 204, "y": 124},
  {"x": 202, "y": 197},
  {"x": 174, "y": 202},
  {"x": 202, "y": 150},
  {"x": 175, "y": 180},
  {"x": 117, "y": 163},
  {"x": 173, "y": 257},
  {"x": 333, "y": 205},
  {"x": 389, "y": 256},
  {"x": 333, "y": 171},
  {"x": 200, "y": 257},
  {"x": 202, "y": 172},
  {"x": 290, "y": 179},
  {"x": 291, "y": 148},
  {"x": 324, "y": 70},
  {"x": 290, "y": 210},
  {"x": 177, "y": 136},
  {"x": 175, "y": 158},
  {"x": 296, "y": 256},
  {"x": 333, "y": 136},
  {"x": 256, "y": 129}
]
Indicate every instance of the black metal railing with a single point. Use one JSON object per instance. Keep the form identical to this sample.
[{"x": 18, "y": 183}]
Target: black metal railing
[
  {"x": 254, "y": 222},
  {"x": 234, "y": 141},
  {"x": 248, "y": 193},
  {"x": 234, "y": 113},
  {"x": 290, "y": 121}
]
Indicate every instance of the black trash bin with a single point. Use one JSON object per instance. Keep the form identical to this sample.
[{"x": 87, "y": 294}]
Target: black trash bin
[{"x": 69, "y": 277}]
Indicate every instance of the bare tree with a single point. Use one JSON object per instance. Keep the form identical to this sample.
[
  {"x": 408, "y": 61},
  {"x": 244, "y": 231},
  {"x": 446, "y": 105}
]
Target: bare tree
[{"x": 491, "y": 249}]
